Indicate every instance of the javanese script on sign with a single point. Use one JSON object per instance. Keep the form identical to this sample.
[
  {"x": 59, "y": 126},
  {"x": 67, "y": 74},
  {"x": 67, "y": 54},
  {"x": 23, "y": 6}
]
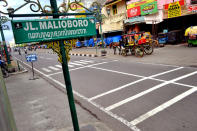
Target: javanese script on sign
[{"x": 52, "y": 29}]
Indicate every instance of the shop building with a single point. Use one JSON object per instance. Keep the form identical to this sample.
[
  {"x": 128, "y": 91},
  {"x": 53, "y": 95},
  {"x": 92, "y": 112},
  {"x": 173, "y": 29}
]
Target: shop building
[
  {"x": 115, "y": 13},
  {"x": 155, "y": 16}
]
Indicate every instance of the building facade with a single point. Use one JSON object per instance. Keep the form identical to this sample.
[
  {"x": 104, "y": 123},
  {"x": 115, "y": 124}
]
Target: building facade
[{"x": 115, "y": 13}]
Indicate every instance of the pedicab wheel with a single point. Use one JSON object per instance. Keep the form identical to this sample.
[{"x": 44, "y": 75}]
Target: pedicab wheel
[
  {"x": 148, "y": 48},
  {"x": 139, "y": 51},
  {"x": 123, "y": 52}
]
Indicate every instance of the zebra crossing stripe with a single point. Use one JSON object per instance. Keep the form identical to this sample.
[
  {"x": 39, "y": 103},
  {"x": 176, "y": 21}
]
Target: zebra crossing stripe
[
  {"x": 53, "y": 68},
  {"x": 81, "y": 62},
  {"x": 75, "y": 64},
  {"x": 87, "y": 61},
  {"x": 70, "y": 65},
  {"x": 59, "y": 66},
  {"x": 46, "y": 70}
]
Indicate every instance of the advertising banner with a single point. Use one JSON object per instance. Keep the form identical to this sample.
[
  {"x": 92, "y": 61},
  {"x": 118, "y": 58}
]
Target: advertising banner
[
  {"x": 26, "y": 31},
  {"x": 133, "y": 11},
  {"x": 192, "y": 8},
  {"x": 149, "y": 8},
  {"x": 139, "y": 3},
  {"x": 181, "y": 2},
  {"x": 174, "y": 10}
]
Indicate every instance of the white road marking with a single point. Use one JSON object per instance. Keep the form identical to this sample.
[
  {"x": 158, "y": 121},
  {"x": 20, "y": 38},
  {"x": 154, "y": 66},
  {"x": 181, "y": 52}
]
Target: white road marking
[
  {"x": 156, "y": 64},
  {"x": 89, "y": 61},
  {"x": 120, "y": 119},
  {"x": 135, "y": 96},
  {"x": 166, "y": 72},
  {"x": 147, "y": 91},
  {"x": 53, "y": 68},
  {"x": 119, "y": 72},
  {"x": 46, "y": 70},
  {"x": 163, "y": 106},
  {"x": 116, "y": 89},
  {"x": 75, "y": 64},
  {"x": 80, "y": 68},
  {"x": 132, "y": 83},
  {"x": 59, "y": 66},
  {"x": 70, "y": 65},
  {"x": 80, "y": 62}
]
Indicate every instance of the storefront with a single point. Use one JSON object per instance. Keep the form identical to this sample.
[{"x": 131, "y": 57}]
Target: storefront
[
  {"x": 142, "y": 15},
  {"x": 178, "y": 16}
]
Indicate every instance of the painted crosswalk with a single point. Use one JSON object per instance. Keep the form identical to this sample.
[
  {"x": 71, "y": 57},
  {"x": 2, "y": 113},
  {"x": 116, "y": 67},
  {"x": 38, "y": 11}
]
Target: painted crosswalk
[
  {"x": 73, "y": 64},
  {"x": 46, "y": 70}
]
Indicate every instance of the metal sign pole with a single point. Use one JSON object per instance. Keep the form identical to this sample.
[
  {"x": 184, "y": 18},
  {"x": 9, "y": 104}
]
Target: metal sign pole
[
  {"x": 67, "y": 76},
  {"x": 32, "y": 65}
]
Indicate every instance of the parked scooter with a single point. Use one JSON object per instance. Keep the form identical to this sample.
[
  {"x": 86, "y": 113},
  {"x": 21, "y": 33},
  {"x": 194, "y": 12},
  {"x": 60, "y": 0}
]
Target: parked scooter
[{"x": 4, "y": 69}]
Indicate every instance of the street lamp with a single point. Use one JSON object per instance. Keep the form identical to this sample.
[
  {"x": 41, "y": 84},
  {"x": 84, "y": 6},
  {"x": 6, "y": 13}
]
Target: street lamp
[
  {"x": 10, "y": 10},
  {"x": 108, "y": 11},
  {"x": 98, "y": 16}
]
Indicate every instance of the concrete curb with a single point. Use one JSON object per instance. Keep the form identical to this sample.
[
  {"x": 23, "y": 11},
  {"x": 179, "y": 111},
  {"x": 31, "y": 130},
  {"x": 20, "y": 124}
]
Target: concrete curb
[
  {"x": 20, "y": 72},
  {"x": 88, "y": 55},
  {"x": 77, "y": 54},
  {"x": 23, "y": 70}
]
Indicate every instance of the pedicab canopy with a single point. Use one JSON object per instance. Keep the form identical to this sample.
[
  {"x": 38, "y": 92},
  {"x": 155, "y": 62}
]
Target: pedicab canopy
[
  {"x": 191, "y": 31},
  {"x": 26, "y": 31}
]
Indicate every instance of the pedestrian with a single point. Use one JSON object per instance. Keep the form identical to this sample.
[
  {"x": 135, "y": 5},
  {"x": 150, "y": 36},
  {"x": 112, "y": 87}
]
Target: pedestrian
[
  {"x": 25, "y": 51},
  {"x": 19, "y": 51}
]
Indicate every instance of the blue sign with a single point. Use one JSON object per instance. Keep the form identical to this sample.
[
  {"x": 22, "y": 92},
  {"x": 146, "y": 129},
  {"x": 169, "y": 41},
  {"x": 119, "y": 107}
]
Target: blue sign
[{"x": 31, "y": 58}]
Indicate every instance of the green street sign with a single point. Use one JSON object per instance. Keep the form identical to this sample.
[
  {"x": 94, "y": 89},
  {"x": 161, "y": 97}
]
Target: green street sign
[
  {"x": 26, "y": 31},
  {"x": 149, "y": 8}
]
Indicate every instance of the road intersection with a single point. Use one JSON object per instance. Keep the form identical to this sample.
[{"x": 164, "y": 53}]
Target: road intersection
[{"x": 146, "y": 97}]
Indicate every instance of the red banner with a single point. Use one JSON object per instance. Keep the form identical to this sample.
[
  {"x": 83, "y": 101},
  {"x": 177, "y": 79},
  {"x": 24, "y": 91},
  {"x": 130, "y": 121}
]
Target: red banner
[
  {"x": 192, "y": 8},
  {"x": 133, "y": 11}
]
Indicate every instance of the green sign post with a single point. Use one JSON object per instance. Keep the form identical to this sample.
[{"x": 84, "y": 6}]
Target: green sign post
[{"x": 52, "y": 29}]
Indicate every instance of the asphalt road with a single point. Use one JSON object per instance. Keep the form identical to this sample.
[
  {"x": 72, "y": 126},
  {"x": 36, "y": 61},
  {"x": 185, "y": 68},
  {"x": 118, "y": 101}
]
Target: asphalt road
[{"x": 127, "y": 95}]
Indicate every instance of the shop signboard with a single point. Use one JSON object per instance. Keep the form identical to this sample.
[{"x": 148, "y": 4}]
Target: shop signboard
[
  {"x": 181, "y": 2},
  {"x": 192, "y": 8},
  {"x": 174, "y": 10},
  {"x": 26, "y": 31},
  {"x": 139, "y": 3},
  {"x": 149, "y": 8},
  {"x": 133, "y": 12}
]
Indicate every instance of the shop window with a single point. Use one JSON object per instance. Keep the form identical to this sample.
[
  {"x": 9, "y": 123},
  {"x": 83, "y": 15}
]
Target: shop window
[
  {"x": 114, "y": 8},
  {"x": 193, "y": 1}
]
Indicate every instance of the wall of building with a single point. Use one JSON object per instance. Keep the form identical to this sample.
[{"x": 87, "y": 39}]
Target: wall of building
[{"x": 114, "y": 22}]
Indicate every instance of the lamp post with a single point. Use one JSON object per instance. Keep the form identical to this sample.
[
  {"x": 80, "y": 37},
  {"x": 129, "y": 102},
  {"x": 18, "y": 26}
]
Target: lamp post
[
  {"x": 108, "y": 11},
  {"x": 98, "y": 16},
  {"x": 4, "y": 19}
]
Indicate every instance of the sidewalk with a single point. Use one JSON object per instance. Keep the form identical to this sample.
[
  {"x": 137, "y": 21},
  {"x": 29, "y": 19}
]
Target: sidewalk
[{"x": 38, "y": 106}]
